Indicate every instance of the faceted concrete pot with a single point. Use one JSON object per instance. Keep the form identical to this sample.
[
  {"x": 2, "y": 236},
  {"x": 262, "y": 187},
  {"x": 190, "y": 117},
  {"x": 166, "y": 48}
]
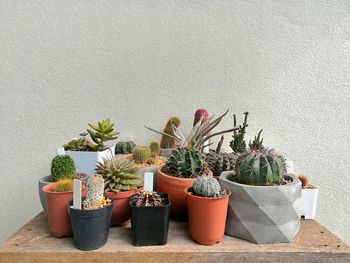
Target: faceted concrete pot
[{"x": 263, "y": 214}]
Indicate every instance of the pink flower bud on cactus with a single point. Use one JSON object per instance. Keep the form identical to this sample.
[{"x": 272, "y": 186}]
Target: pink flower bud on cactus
[{"x": 198, "y": 115}]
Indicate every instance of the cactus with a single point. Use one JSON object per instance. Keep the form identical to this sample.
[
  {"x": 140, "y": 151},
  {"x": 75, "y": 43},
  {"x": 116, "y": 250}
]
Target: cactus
[
  {"x": 141, "y": 154},
  {"x": 238, "y": 144},
  {"x": 146, "y": 199},
  {"x": 257, "y": 143},
  {"x": 264, "y": 167},
  {"x": 155, "y": 148},
  {"x": 64, "y": 185},
  {"x": 166, "y": 141},
  {"x": 62, "y": 166},
  {"x": 304, "y": 181},
  {"x": 221, "y": 162},
  {"x": 124, "y": 147},
  {"x": 95, "y": 190},
  {"x": 200, "y": 114},
  {"x": 186, "y": 163},
  {"x": 119, "y": 175},
  {"x": 206, "y": 186},
  {"x": 101, "y": 133}
]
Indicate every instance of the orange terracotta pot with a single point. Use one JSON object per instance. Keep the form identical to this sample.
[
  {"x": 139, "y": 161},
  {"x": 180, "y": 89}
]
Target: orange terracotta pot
[
  {"x": 174, "y": 187},
  {"x": 57, "y": 210},
  {"x": 207, "y": 217},
  {"x": 121, "y": 208}
]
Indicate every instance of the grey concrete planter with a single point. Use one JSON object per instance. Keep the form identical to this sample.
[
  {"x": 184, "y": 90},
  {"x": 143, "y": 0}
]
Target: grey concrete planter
[
  {"x": 41, "y": 183},
  {"x": 263, "y": 214}
]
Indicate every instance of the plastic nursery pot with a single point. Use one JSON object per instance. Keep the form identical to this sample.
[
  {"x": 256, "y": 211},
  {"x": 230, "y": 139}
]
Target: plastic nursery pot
[
  {"x": 150, "y": 224},
  {"x": 41, "y": 183},
  {"x": 90, "y": 227},
  {"x": 121, "y": 208},
  {"x": 56, "y": 208},
  {"x": 175, "y": 188},
  {"x": 207, "y": 217}
]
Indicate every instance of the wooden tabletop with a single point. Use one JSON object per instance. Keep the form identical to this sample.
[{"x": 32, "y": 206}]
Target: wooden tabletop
[{"x": 33, "y": 243}]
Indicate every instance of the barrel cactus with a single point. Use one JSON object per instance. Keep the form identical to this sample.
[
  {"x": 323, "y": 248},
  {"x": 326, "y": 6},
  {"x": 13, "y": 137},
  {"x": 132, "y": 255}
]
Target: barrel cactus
[
  {"x": 206, "y": 186},
  {"x": 141, "y": 154},
  {"x": 119, "y": 175},
  {"x": 263, "y": 167},
  {"x": 95, "y": 190},
  {"x": 146, "y": 199},
  {"x": 124, "y": 147},
  {"x": 221, "y": 162},
  {"x": 155, "y": 148},
  {"x": 62, "y": 166},
  {"x": 64, "y": 185}
]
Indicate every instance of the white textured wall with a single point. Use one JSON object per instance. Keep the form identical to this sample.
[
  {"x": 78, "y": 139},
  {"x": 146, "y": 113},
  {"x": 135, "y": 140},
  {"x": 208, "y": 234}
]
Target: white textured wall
[{"x": 65, "y": 63}]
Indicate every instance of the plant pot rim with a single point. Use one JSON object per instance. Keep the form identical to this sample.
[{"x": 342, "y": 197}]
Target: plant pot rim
[
  {"x": 42, "y": 179},
  {"x": 91, "y": 210},
  {"x": 159, "y": 171},
  {"x": 295, "y": 181},
  {"x": 107, "y": 148},
  {"x": 207, "y": 198},
  {"x": 160, "y": 206},
  {"x": 48, "y": 189}
]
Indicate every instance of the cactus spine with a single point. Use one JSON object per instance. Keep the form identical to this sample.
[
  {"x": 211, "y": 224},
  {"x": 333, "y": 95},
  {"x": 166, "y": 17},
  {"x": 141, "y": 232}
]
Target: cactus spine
[
  {"x": 62, "y": 166},
  {"x": 166, "y": 141},
  {"x": 95, "y": 190},
  {"x": 64, "y": 185},
  {"x": 206, "y": 186},
  {"x": 141, "y": 154}
]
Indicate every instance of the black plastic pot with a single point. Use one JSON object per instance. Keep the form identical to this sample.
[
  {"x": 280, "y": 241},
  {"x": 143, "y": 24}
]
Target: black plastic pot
[
  {"x": 150, "y": 224},
  {"x": 90, "y": 227}
]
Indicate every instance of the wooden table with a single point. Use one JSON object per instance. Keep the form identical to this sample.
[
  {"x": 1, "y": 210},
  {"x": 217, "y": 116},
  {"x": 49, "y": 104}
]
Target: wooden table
[{"x": 33, "y": 243}]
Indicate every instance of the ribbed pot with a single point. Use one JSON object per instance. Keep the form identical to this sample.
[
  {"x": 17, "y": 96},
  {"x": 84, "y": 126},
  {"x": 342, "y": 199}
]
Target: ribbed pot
[{"x": 263, "y": 214}]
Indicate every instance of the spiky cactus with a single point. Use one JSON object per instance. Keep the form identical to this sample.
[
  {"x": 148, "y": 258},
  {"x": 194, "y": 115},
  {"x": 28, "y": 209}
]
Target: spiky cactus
[
  {"x": 94, "y": 195},
  {"x": 257, "y": 143},
  {"x": 155, "y": 148},
  {"x": 206, "y": 186},
  {"x": 238, "y": 144},
  {"x": 119, "y": 175},
  {"x": 186, "y": 163},
  {"x": 62, "y": 166},
  {"x": 146, "y": 199},
  {"x": 101, "y": 133},
  {"x": 166, "y": 141},
  {"x": 141, "y": 154},
  {"x": 200, "y": 115},
  {"x": 264, "y": 167},
  {"x": 221, "y": 162},
  {"x": 124, "y": 147},
  {"x": 64, "y": 185}
]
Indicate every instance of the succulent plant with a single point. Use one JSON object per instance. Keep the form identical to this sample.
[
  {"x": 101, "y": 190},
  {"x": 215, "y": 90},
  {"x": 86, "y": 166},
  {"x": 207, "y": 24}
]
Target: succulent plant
[
  {"x": 62, "y": 166},
  {"x": 95, "y": 191},
  {"x": 304, "y": 181},
  {"x": 198, "y": 136},
  {"x": 141, "y": 154},
  {"x": 221, "y": 162},
  {"x": 264, "y": 167},
  {"x": 119, "y": 175},
  {"x": 155, "y": 148},
  {"x": 186, "y": 163},
  {"x": 200, "y": 115},
  {"x": 238, "y": 144},
  {"x": 168, "y": 141},
  {"x": 124, "y": 147},
  {"x": 257, "y": 143},
  {"x": 146, "y": 199},
  {"x": 206, "y": 186},
  {"x": 76, "y": 145},
  {"x": 64, "y": 185},
  {"x": 101, "y": 133}
]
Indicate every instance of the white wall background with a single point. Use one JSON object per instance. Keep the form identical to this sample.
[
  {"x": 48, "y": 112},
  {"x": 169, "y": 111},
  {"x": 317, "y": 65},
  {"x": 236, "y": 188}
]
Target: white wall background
[{"x": 66, "y": 63}]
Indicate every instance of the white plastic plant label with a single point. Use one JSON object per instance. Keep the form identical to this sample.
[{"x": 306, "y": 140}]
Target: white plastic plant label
[
  {"x": 148, "y": 182},
  {"x": 77, "y": 186},
  {"x": 61, "y": 151}
]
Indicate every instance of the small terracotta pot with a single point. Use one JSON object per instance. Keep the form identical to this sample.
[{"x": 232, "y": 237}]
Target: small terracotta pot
[
  {"x": 207, "y": 217},
  {"x": 121, "y": 208},
  {"x": 174, "y": 187},
  {"x": 56, "y": 208}
]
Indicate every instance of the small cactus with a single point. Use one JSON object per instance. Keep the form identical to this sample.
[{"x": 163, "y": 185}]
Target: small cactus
[
  {"x": 166, "y": 141},
  {"x": 64, "y": 185},
  {"x": 257, "y": 143},
  {"x": 200, "y": 114},
  {"x": 124, "y": 147},
  {"x": 206, "y": 186},
  {"x": 141, "y": 154},
  {"x": 95, "y": 190},
  {"x": 238, "y": 144},
  {"x": 146, "y": 199},
  {"x": 221, "y": 162},
  {"x": 62, "y": 166},
  {"x": 155, "y": 148}
]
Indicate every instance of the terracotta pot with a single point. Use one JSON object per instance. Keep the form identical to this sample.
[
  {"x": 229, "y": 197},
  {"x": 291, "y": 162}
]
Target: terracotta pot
[
  {"x": 207, "y": 217},
  {"x": 175, "y": 188},
  {"x": 121, "y": 208},
  {"x": 57, "y": 212}
]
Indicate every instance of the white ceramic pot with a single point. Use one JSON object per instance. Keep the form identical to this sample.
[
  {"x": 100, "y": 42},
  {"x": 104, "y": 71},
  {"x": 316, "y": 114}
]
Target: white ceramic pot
[
  {"x": 85, "y": 161},
  {"x": 308, "y": 202}
]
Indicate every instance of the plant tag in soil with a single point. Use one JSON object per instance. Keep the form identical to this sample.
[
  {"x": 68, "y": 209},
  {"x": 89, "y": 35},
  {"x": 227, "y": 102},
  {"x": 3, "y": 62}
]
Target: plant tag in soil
[
  {"x": 148, "y": 182},
  {"x": 60, "y": 151},
  {"x": 77, "y": 194}
]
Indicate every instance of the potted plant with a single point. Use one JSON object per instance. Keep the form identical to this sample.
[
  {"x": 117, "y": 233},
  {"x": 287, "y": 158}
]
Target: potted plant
[
  {"x": 149, "y": 218},
  {"x": 122, "y": 180},
  {"x": 308, "y": 200},
  {"x": 263, "y": 207},
  {"x": 57, "y": 196},
  {"x": 167, "y": 144},
  {"x": 90, "y": 224},
  {"x": 186, "y": 162},
  {"x": 207, "y": 210},
  {"x": 62, "y": 166},
  {"x": 85, "y": 153},
  {"x": 123, "y": 149}
]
